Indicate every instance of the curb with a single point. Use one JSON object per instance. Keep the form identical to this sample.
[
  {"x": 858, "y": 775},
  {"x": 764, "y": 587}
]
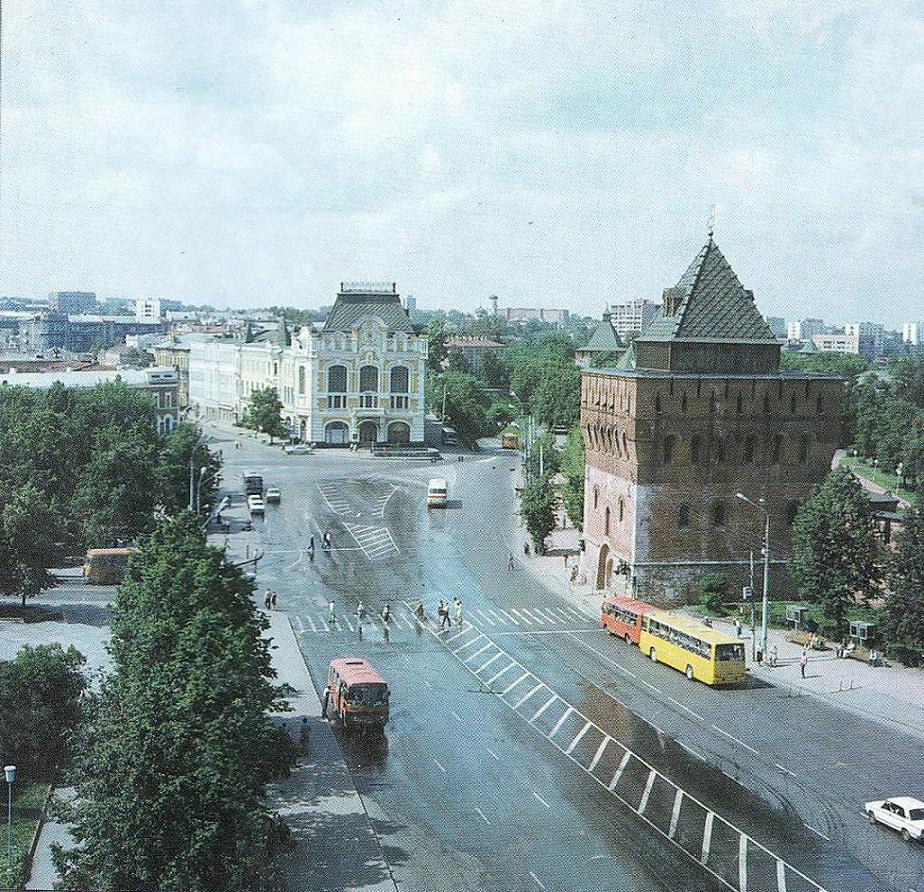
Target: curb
[{"x": 43, "y": 816}]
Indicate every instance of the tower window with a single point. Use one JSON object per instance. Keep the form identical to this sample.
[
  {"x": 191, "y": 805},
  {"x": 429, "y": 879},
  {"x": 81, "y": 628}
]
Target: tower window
[
  {"x": 606, "y": 522},
  {"x": 738, "y": 404},
  {"x": 657, "y": 404},
  {"x": 718, "y": 515},
  {"x": 694, "y": 450},
  {"x": 818, "y": 405},
  {"x": 683, "y": 517},
  {"x": 792, "y": 403},
  {"x": 767, "y": 403},
  {"x": 596, "y": 497},
  {"x": 803, "y": 449},
  {"x": 668, "y": 450},
  {"x": 748, "y": 452},
  {"x": 622, "y": 509},
  {"x": 776, "y": 448},
  {"x": 683, "y": 402}
]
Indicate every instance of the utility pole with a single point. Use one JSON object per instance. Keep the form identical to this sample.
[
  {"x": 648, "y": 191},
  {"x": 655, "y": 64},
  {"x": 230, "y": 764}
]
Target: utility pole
[
  {"x": 443, "y": 414},
  {"x": 753, "y": 630},
  {"x": 541, "y": 460},
  {"x": 763, "y": 619},
  {"x": 192, "y": 491}
]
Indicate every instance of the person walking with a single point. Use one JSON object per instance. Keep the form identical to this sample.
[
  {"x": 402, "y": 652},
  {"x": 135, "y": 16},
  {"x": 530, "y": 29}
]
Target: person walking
[
  {"x": 509, "y": 560},
  {"x": 526, "y": 549},
  {"x": 457, "y": 608},
  {"x": 311, "y": 544},
  {"x": 331, "y": 615},
  {"x": 360, "y": 612},
  {"x": 386, "y": 615},
  {"x": 773, "y": 656},
  {"x": 273, "y": 601},
  {"x": 737, "y": 627},
  {"x": 268, "y": 599},
  {"x": 803, "y": 662},
  {"x": 444, "y": 616},
  {"x": 419, "y": 611}
]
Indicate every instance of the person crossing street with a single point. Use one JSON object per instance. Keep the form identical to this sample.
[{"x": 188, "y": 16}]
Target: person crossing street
[{"x": 457, "y": 610}]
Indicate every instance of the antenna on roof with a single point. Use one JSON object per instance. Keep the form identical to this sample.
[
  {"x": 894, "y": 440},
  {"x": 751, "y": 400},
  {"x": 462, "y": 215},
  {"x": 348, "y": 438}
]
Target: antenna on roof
[{"x": 710, "y": 226}]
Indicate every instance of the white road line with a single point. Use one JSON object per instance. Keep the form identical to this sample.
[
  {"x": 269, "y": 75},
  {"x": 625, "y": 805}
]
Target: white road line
[
  {"x": 695, "y": 753},
  {"x": 519, "y": 618},
  {"x": 467, "y": 644},
  {"x": 311, "y": 623},
  {"x": 542, "y": 709},
  {"x": 535, "y": 615},
  {"x": 785, "y": 770},
  {"x": 817, "y": 832},
  {"x": 493, "y": 753},
  {"x": 577, "y": 739},
  {"x": 536, "y": 880},
  {"x": 602, "y": 656},
  {"x": 459, "y": 634},
  {"x": 599, "y": 753},
  {"x": 510, "y": 618},
  {"x": 483, "y": 818},
  {"x": 393, "y": 491},
  {"x": 349, "y": 625},
  {"x": 622, "y": 767},
  {"x": 643, "y": 804},
  {"x": 440, "y": 766},
  {"x": 502, "y": 618},
  {"x": 695, "y": 715},
  {"x": 493, "y": 659},
  {"x": 742, "y": 863},
  {"x": 509, "y": 688},
  {"x": 675, "y": 814},
  {"x": 750, "y": 749},
  {"x": 455, "y": 715},
  {"x": 497, "y": 675},
  {"x": 707, "y": 837},
  {"x": 526, "y": 697},
  {"x": 540, "y": 799},
  {"x": 780, "y": 876},
  {"x": 561, "y": 721},
  {"x": 485, "y": 617},
  {"x": 480, "y": 650}
]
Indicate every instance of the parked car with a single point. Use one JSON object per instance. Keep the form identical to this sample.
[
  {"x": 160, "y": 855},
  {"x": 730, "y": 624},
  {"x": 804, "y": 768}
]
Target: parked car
[
  {"x": 256, "y": 505},
  {"x": 298, "y": 449},
  {"x": 273, "y": 495},
  {"x": 902, "y": 813}
]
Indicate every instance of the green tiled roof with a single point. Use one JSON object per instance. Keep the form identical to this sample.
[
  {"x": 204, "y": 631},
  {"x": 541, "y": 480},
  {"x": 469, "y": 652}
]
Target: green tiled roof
[
  {"x": 604, "y": 339},
  {"x": 350, "y": 309},
  {"x": 713, "y": 306}
]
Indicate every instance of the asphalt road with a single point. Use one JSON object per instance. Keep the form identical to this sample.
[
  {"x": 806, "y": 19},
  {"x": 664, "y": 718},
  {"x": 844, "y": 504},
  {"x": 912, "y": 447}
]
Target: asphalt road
[{"x": 527, "y": 748}]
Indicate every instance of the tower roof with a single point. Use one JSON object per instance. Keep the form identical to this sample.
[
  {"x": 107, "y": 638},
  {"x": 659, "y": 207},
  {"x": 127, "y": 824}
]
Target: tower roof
[
  {"x": 283, "y": 336},
  {"x": 605, "y": 339},
  {"x": 351, "y": 307}
]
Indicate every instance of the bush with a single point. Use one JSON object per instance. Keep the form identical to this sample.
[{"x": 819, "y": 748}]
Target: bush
[{"x": 713, "y": 588}]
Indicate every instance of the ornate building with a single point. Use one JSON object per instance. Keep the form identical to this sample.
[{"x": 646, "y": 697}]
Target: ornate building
[{"x": 696, "y": 411}]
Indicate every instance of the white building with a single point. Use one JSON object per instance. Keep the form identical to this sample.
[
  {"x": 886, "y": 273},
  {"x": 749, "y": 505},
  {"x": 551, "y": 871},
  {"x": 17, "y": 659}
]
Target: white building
[
  {"x": 632, "y": 315},
  {"x": 869, "y": 335},
  {"x": 147, "y": 309},
  {"x": 358, "y": 377},
  {"x": 913, "y": 333},
  {"x": 837, "y": 343},
  {"x": 805, "y": 329}
]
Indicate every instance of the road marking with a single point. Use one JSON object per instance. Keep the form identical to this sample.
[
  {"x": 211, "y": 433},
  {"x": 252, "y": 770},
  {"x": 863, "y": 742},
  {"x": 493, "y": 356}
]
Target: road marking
[
  {"x": 459, "y": 634},
  {"x": 494, "y": 678},
  {"x": 519, "y": 619},
  {"x": 311, "y": 623},
  {"x": 599, "y": 753},
  {"x": 540, "y": 799},
  {"x": 510, "y": 617},
  {"x": 750, "y": 749},
  {"x": 469, "y": 643},
  {"x": 780, "y": 876},
  {"x": 707, "y": 836},
  {"x": 542, "y": 709},
  {"x": 493, "y": 753},
  {"x": 485, "y": 617},
  {"x": 526, "y": 697},
  {"x": 480, "y": 650},
  {"x": 536, "y": 880},
  {"x": 440, "y": 766},
  {"x": 675, "y": 814},
  {"x": 509, "y": 688},
  {"x": 695, "y": 715},
  {"x": 561, "y": 721},
  {"x": 455, "y": 715},
  {"x": 535, "y": 615},
  {"x": 493, "y": 659},
  {"x": 483, "y": 817},
  {"x": 393, "y": 491},
  {"x": 502, "y": 618},
  {"x": 643, "y": 804},
  {"x": 603, "y": 656},
  {"x": 818, "y": 832},
  {"x": 622, "y": 767},
  {"x": 783, "y": 768},
  {"x": 695, "y": 753},
  {"x": 577, "y": 739},
  {"x": 742, "y": 863},
  {"x": 349, "y": 625}
]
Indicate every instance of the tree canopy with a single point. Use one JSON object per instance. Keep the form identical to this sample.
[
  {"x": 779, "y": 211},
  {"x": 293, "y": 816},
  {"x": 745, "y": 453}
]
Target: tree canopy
[
  {"x": 903, "y": 613},
  {"x": 262, "y": 414}
]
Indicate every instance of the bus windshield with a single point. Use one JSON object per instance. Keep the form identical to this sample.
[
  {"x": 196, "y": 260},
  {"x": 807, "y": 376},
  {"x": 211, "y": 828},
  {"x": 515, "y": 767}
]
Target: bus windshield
[
  {"x": 729, "y": 652},
  {"x": 372, "y": 694}
]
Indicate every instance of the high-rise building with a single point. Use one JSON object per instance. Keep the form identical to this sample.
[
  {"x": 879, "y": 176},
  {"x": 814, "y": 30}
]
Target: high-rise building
[
  {"x": 805, "y": 329},
  {"x": 913, "y": 333},
  {"x": 697, "y": 411},
  {"x": 72, "y": 302},
  {"x": 148, "y": 309},
  {"x": 410, "y": 303},
  {"x": 869, "y": 337},
  {"x": 632, "y": 315}
]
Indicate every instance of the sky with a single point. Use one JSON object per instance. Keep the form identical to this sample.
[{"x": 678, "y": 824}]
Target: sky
[{"x": 247, "y": 153}]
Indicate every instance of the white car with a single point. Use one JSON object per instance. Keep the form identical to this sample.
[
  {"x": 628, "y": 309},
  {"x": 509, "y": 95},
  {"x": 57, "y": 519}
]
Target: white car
[
  {"x": 298, "y": 449},
  {"x": 902, "y": 813},
  {"x": 273, "y": 495},
  {"x": 256, "y": 504}
]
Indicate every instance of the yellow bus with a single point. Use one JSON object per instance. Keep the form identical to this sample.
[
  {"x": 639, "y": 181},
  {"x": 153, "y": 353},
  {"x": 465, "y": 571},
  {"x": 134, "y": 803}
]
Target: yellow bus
[
  {"x": 701, "y": 652},
  {"x": 106, "y": 566}
]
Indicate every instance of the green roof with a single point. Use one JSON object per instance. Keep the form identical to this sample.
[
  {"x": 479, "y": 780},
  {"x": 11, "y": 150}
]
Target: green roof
[
  {"x": 711, "y": 305},
  {"x": 350, "y": 309},
  {"x": 604, "y": 339}
]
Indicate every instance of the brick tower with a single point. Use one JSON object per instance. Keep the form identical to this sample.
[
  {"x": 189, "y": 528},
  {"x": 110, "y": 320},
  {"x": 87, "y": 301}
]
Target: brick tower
[{"x": 696, "y": 411}]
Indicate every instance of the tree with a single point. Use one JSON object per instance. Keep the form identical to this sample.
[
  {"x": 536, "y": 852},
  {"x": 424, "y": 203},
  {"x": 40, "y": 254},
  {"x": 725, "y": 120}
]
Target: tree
[
  {"x": 136, "y": 357},
  {"x": 903, "y": 612},
  {"x": 494, "y": 371},
  {"x": 466, "y": 404},
  {"x": 835, "y": 553},
  {"x": 543, "y": 458},
  {"x": 182, "y": 444},
  {"x": 572, "y": 467},
  {"x": 456, "y": 361},
  {"x": 712, "y": 589},
  {"x": 28, "y": 533},
  {"x": 436, "y": 345},
  {"x": 537, "y": 507},
  {"x": 263, "y": 413},
  {"x": 40, "y": 707}
]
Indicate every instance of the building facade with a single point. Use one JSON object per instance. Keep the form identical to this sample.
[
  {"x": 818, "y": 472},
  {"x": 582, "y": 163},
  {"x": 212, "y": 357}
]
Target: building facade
[
  {"x": 836, "y": 343},
  {"x": 358, "y": 378},
  {"x": 172, "y": 354},
  {"x": 805, "y": 329},
  {"x": 632, "y": 315},
  {"x": 72, "y": 302},
  {"x": 913, "y": 333},
  {"x": 79, "y": 333},
  {"x": 697, "y": 411},
  {"x": 476, "y": 350},
  {"x": 870, "y": 337}
]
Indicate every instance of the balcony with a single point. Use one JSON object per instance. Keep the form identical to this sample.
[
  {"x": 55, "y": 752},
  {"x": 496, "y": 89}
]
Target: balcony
[{"x": 400, "y": 401}]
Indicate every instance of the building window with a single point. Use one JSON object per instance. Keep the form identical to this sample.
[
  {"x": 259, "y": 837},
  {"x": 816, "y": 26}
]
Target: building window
[
  {"x": 337, "y": 379},
  {"x": 818, "y": 405},
  {"x": 683, "y": 517},
  {"x": 694, "y": 450},
  {"x": 301, "y": 380},
  {"x": 657, "y": 404},
  {"x": 625, "y": 447},
  {"x": 596, "y": 497},
  {"x": 718, "y": 515},
  {"x": 668, "y": 449},
  {"x": 738, "y": 404},
  {"x": 399, "y": 379},
  {"x": 767, "y": 403},
  {"x": 622, "y": 509},
  {"x": 776, "y": 448},
  {"x": 683, "y": 402},
  {"x": 803, "y": 449},
  {"x": 368, "y": 379},
  {"x": 748, "y": 455},
  {"x": 792, "y": 403},
  {"x": 606, "y": 522}
]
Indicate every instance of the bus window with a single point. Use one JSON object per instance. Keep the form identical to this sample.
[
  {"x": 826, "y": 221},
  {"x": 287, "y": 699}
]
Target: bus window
[{"x": 729, "y": 652}]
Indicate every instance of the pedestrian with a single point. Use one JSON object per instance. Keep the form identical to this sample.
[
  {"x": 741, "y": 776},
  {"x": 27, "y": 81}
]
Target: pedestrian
[
  {"x": 773, "y": 655},
  {"x": 311, "y": 543},
  {"x": 273, "y": 601},
  {"x": 565, "y": 556},
  {"x": 386, "y": 615},
  {"x": 457, "y": 605},
  {"x": 443, "y": 612},
  {"x": 737, "y": 627},
  {"x": 267, "y": 599},
  {"x": 526, "y": 549},
  {"x": 326, "y": 700},
  {"x": 360, "y": 612},
  {"x": 509, "y": 560},
  {"x": 331, "y": 615},
  {"x": 303, "y": 734},
  {"x": 803, "y": 662}
]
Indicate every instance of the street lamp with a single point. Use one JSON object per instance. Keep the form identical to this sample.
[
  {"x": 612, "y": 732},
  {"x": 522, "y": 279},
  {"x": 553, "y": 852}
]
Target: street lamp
[
  {"x": 760, "y": 506},
  {"x": 202, "y": 472},
  {"x": 10, "y": 771}
]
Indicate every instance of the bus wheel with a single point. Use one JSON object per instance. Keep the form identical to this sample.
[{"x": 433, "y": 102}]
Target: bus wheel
[
  {"x": 653, "y": 655},
  {"x": 628, "y": 638},
  {"x": 690, "y": 672}
]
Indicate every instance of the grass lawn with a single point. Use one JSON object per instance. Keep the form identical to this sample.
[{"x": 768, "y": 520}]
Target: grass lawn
[
  {"x": 28, "y": 800},
  {"x": 887, "y": 481}
]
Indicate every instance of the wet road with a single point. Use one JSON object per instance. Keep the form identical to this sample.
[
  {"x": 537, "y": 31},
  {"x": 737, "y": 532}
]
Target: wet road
[{"x": 527, "y": 749}]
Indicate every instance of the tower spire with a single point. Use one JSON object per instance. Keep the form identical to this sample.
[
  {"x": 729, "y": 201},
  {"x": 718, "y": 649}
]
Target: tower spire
[{"x": 710, "y": 226}]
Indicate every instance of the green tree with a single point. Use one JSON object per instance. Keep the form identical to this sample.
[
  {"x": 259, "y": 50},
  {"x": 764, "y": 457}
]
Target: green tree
[
  {"x": 456, "y": 361},
  {"x": 712, "y": 590},
  {"x": 182, "y": 444},
  {"x": 537, "y": 507},
  {"x": 494, "y": 371},
  {"x": 572, "y": 467},
  {"x": 544, "y": 458},
  {"x": 40, "y": 707},
  {"x": 293, "y": 315},
  {"x": 436, "y": 344},
  {"x": 903, "y": 612},
  {"x": 263, "y": 413},
  {"x": 836, "y": 557},
  {"x": 466, "y": 404},
  {"x": 29, "y": 529}
]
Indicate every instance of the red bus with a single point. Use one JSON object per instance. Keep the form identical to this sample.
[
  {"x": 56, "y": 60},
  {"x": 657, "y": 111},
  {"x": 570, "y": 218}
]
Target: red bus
[
  {"x": 357, "y": 694},
  {"x": 622, "y": 616}
]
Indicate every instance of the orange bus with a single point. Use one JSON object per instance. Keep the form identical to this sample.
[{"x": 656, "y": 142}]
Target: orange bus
[
  {"x": 106, "y": 566},
  {"x": 622, "y": 616},
  {"x": 356, "y": 694}
]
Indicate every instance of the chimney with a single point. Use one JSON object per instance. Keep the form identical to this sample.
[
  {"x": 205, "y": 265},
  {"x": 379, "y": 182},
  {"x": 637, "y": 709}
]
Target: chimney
[{"x": 672, "y": 298}]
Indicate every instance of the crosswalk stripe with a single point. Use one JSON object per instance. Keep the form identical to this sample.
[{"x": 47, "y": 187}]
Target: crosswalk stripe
[
  {"x": 599, "y": 753},
  {"x": 485, "y": 617},
  {"x": 502, "y": 618},
  {"x": 561, "y": 722},
  {"x": 542, "y": 709},
  {"x": 526, "y": 697},
  {"x": 310, "y": 623},
  {"x": 510, "y": 687},
  {"x": 480, "y": 650},
  {"x": 519, "y": 619},
  {"x": 497, "y": 675},
  {"x": 619, "y": 771},
  {"x": 493, "y": 659}
]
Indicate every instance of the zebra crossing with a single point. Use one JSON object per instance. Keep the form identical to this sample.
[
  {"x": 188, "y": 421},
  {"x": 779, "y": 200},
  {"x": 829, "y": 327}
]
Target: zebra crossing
[
  {"x": 374, "y": 542},
  {"x": 332, "y": 493},
  {"x": 501, "y": 620}
]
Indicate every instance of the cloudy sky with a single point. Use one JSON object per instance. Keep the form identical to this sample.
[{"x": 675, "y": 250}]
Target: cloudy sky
[{"x": 239, "y": 152}]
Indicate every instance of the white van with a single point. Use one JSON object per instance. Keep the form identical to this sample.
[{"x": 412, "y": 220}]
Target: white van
[{"x": 437, "y": 492}]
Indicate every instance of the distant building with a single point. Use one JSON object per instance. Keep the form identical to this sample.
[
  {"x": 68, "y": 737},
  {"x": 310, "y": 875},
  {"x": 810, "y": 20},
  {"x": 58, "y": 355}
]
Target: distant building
[
  {"x": 527, "y": 314},
  {"x": 805, "y": 329},
  {"x": 632, "y": 315},
  {"x": 913, "y": 333},
  {"x": 161, "y": 383},
  {"x": 776, "y": 324},
  {"x": 79, "y": 333},
  {"x": 68, "y": 302},
  {"x": 410, "y": 303},
  {"x": 869, "y": 335},
  {"x": 148, "y": 309},
  {"x": 603, "y": 342},
  {"x": 836, "y": 343},
  {"x": 475, "y": 349},
  {"x": 175, "y": 355}
]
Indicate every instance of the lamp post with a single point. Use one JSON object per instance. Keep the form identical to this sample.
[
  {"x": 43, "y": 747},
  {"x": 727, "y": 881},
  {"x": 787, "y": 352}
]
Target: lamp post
[
  {"x": 10, "y": 772},
  {"x": 202, "y": 472},
  {"x": 760, "y": 506}
]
